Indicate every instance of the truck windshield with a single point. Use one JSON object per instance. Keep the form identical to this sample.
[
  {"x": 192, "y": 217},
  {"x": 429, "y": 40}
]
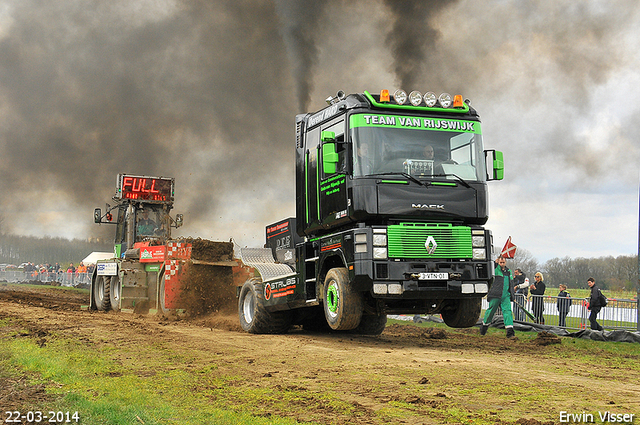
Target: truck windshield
[{"x": 422, "y": 147}]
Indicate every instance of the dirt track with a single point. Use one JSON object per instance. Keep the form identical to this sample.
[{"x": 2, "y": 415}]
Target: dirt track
[{"x": 429, "y": 370}]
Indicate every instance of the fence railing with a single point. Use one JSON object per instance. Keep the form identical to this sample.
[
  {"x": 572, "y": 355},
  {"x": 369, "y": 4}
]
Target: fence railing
[
  {"x": 618, "y": 314},
  {"x": 62, "y": 278}
]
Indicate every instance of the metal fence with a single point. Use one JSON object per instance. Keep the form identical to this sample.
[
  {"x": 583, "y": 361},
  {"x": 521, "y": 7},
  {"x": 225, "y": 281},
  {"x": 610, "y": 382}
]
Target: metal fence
[
  {"x": 61, "y": 278},
  {"x": 618, "y": 314}
]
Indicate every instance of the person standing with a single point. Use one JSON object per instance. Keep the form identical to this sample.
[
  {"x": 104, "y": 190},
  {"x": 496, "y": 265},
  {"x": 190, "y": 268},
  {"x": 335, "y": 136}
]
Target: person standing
[
  {"x": 564, "y": 304},
  {"x": 595, "y": 304},
  {"x": 500, "y": 295},
  {"x": 521, "y": 288},
  {"x": 537, "y": 288}
]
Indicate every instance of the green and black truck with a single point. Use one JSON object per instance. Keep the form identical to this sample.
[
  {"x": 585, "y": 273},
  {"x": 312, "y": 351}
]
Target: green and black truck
[{"x": 391, "y": 199}]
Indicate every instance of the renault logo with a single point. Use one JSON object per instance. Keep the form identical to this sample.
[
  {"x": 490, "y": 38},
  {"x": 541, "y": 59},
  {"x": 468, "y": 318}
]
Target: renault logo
[{"x": 431, "y": 245}]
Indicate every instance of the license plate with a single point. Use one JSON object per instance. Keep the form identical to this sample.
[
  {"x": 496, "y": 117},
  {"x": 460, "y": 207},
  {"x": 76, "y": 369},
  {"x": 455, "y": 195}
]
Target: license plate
[{"x": 433, "y": 276}]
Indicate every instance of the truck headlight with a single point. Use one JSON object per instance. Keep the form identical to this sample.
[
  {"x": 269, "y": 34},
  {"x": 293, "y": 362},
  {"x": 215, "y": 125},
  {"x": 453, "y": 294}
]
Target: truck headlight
[
  {"x": 395, "y": 288},
  {"x": 379, "y": 239},
  {"x": 477, "y": 241},
  {"x": 479, "y": 254},
  {"x": 380, "y": 253}
]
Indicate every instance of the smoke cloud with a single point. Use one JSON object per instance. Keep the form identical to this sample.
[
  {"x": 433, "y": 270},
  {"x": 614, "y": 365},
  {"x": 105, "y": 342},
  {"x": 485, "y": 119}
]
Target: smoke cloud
[{"x": 207, "y": 92}]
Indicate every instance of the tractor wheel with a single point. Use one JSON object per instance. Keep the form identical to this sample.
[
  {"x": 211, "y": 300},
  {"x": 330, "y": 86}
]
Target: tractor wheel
[
  {"x": 254, "y": 318},
  {"x": 464, "y": 314},
  {"x": 115, "y": 288},
  {"x": 162, "y": 304},
  {"x": 371, "y": 324},
  {"x": 101, "y": 293},
  {"x": 342, "y": 305}
]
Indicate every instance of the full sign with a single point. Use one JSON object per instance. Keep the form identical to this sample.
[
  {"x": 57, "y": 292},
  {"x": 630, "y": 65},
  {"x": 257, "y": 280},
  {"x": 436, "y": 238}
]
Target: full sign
[{"x": 144, "y": 188}]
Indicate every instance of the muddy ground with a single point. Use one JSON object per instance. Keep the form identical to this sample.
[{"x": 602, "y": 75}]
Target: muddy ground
[{"x": 432, "y": 370}]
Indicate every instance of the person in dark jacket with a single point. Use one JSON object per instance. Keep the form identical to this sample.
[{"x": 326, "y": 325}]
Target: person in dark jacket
[
  {"x": 521, "y": 288},
  {"x": 537, "y": 288},
  {"x": 564, "y": 304},
  {"x": 595, "y": 305},
  {"x": 500, "y": 295}
]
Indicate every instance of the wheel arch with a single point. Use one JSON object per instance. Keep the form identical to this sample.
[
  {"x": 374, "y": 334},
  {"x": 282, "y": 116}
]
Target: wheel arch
[{"x": 333, "y": 260}]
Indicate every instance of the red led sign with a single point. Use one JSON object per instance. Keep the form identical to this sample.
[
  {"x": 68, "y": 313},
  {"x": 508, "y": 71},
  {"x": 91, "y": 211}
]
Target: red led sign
[{"x": 145, "y": 188}]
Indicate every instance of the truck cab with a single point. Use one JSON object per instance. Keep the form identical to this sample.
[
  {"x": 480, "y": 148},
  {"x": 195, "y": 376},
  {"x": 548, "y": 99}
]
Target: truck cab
[{"x": 391, "y": 199}]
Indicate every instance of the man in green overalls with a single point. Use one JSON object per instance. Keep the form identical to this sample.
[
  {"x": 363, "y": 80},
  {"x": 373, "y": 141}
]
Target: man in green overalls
[{"x": 500, "y": 295}]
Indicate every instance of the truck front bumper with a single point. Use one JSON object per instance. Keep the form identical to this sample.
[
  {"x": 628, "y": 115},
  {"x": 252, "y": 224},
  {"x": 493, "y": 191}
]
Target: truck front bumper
[{"x": 425, "y": 280}]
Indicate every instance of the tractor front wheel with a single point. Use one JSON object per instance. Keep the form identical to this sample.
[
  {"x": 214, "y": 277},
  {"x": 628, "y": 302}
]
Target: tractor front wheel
[
  {"x": 101, "y": 290},
  {"x": 115, "y": 288}
]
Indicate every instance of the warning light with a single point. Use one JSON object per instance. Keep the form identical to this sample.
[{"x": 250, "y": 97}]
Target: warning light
[
  {"x": 457, "y": 102},
  {"x": 384, "y": 95}
]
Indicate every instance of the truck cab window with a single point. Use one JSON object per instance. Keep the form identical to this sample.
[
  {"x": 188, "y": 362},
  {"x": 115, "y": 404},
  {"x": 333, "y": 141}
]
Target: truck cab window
[{"x": 417, "y": 151}]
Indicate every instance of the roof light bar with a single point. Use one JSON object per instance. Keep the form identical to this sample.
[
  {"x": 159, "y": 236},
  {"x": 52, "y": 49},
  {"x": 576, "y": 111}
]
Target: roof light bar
[{"x": 429, "y": 99}]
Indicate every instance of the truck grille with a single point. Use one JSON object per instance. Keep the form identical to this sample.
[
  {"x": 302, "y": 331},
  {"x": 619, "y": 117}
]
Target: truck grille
[{"x": 408, "y": 240}]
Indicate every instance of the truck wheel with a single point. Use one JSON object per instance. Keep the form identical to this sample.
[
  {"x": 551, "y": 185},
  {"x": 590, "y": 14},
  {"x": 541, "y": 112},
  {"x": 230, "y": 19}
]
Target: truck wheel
[
  {"x": 371, "y": 324},
  {"x": 115, "y": 288},
  {"x": 464, "y": 314},
  {"x": 101, "y": 292},
  {"x": 254, "y": 318},
  {"x": 342, "y": 305}
]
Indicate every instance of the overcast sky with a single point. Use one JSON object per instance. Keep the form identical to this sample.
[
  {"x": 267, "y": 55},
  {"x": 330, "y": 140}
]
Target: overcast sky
[{"x": 207, "y": 92}]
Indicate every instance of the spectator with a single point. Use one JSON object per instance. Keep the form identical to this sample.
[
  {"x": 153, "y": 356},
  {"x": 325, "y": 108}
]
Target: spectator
[
  {"x": 595, "y": 304},
  {"x": 537, "y": 304},
  {"x": 521, "y": 288},
  {"x": 81, "y": 268},
  {"x": 500, "y": 295},
  {"x": 564, "y": 304}
]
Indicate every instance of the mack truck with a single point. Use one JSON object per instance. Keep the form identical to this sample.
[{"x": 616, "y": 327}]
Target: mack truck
[
  {"x": 391, "y": 200},
  {"x": 149, "y": 271}
]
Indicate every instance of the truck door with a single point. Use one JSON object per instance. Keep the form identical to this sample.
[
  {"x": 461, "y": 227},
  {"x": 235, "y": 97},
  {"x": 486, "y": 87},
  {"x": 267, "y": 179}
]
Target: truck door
[{"x": 333, "y": 187}]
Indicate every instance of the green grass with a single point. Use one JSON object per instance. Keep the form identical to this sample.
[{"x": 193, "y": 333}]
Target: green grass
[{"x": 105, "y": 389}]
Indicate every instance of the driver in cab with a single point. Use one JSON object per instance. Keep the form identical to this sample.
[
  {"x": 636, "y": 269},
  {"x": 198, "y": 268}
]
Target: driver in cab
[{"x": 146, "y": 226}]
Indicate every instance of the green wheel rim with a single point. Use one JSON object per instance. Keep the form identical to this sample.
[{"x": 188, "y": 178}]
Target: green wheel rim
[{"x": 332, "y": 298}]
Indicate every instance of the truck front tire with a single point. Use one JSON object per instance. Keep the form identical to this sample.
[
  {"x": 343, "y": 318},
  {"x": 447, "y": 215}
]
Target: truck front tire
[
  {"x": 101, "y": 288},
  {"x": 342, "y": 305},
  {"x": 371, "y": 324},
  {"x": 464, "y": 314},
  {"x": 254, "y": 318}
]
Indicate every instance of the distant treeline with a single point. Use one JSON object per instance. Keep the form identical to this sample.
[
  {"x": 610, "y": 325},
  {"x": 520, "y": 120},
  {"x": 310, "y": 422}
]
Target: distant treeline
[
  {"x": 23, "y": 249},
  {"x": 615, "y": 273}
]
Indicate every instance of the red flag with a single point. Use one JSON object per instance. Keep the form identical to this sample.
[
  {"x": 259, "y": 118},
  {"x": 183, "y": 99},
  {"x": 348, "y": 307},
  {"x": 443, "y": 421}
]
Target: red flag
[{"x": 509, "y": 250}]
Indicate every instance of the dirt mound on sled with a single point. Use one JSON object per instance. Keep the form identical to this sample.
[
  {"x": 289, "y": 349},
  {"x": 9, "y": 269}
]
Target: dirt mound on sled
[{"x": 209, "y": 288}]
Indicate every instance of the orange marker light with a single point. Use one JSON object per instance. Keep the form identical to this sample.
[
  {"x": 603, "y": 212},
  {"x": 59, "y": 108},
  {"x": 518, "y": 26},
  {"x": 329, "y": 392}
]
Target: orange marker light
[
  {"x": 384, "y": 96},
  {"x": 457, "y": 101}
]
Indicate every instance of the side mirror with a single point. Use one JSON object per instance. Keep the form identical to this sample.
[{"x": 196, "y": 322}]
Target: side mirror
[
  {"x": 329, "y": 158},
  {"x": 97, "y": 215},
  {"x": 179, "y": 220},
  {"x": 329, "y": 154},
  {"x": 497, "y": 164}
]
